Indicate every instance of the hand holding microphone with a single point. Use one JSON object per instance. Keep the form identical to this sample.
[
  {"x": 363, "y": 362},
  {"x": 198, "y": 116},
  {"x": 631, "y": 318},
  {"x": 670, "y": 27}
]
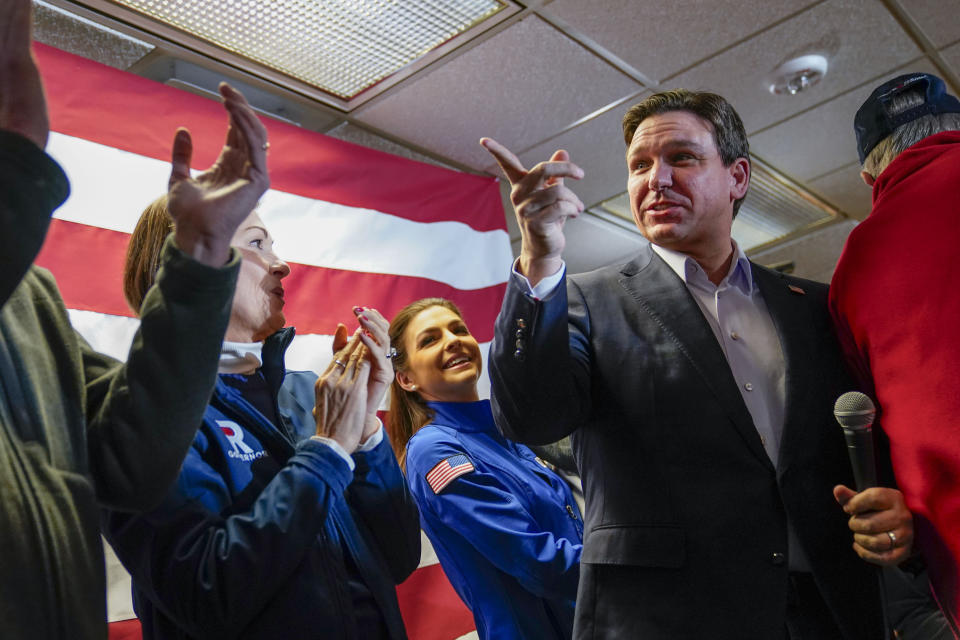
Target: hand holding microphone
[{"x": 881, "y": 523}]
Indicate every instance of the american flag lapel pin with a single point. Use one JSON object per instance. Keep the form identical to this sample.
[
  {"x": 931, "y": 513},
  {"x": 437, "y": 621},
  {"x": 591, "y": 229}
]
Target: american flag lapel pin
[
  {"x": 448, "y": 470},
  {"x": 797, "y": 289}
]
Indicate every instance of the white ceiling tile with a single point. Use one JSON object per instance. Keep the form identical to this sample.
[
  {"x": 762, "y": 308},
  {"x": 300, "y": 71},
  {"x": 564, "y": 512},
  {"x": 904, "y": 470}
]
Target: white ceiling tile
[
  {"x": 939, "y": 19},
  {"x": 845, "y": 190},
  {"x": 661, "y": 38},
  {"x": 815, "y": 141},
  {"x": 951, "y": 56},
  {"x": 859, "y": 39},
  {"x": 821, "y": 139},
  {"x": 518, "y": 87},
  {"x": 814, "y": 254},
  {"x": 593, "y": 243},
  {"x": 596, "y": 147}
]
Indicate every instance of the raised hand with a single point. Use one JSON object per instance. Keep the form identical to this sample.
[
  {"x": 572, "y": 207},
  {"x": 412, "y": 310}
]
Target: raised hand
[
  {"x": 542, "y": 204},
  {"x": 23, "y": 108},
  {"x": 341, "y": 394},
  {"x": 376, "y": 339},
  {"x": 881, "y": 523},
  {"x": 209, "y": 207},
  {"x": 373, "y": 333}
]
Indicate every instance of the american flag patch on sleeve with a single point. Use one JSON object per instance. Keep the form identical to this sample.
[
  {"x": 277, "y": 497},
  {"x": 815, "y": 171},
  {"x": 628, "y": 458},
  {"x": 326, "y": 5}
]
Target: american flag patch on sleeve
[{"x": 446, "y": 471}]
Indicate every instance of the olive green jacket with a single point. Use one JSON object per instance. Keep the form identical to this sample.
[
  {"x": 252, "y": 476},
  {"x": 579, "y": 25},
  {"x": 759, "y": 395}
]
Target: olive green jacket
[{"x": 78, "y": 429}]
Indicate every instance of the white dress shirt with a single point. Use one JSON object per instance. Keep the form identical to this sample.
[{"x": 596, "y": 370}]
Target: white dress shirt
[{"x": 735, "y": 311}]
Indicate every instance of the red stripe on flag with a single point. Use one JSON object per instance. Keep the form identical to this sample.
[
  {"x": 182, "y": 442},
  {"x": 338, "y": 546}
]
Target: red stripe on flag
[
  {"x": 83, "y": 96},
  {"x": 88, "y": 265},
  {"x": 322, "y": 297},
  {"x": 431, "y": 609},
  {"x": 317, "y": 298}
]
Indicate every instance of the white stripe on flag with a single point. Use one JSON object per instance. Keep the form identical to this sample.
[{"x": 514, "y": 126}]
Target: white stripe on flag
[
  {"x": 427, "y": 555},
  {"x": 107, "y": 334},
  {"x": 306, "y": 231}
]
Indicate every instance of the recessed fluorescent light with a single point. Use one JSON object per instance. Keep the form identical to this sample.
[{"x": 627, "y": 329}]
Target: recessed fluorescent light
[{"x": 342, "y": 47}]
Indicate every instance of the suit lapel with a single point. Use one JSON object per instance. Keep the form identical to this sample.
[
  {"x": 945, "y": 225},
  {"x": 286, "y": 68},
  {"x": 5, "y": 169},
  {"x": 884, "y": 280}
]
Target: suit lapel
[
  {"x": 789, "y": 311},
  {"x": 663, "y": 295}
]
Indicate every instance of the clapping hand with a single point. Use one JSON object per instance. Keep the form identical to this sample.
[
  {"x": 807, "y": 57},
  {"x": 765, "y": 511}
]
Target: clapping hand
[
  {"x": 374, "y": 335},
  {"x": 208, "y": 208},
  {"x": 341, "y": 394},
  {"x": 542, "y": 204},
  {"x": 23, "y": 108}
]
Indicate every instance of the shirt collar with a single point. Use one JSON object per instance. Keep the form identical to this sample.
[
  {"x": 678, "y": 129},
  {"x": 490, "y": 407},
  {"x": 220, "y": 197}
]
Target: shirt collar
[
  {"x": 740, "y": 274},
  {"x": 240, "y": 357},
  {"x": 464, "y": 416}
]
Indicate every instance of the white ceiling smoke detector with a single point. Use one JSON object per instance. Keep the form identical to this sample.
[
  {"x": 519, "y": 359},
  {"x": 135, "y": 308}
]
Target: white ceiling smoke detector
[{"x": 797, "y": 75}]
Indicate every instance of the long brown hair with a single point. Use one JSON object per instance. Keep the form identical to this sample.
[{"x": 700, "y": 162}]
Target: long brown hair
[
  {"x": 143, "y": 252},
  {"x": 408, "y": 412}
]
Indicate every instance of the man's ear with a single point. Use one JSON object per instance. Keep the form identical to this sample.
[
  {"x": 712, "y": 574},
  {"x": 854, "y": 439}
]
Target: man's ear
[
  {"x": 740, "y": 174},
  {"x": 405, "y": 382},
  {"x": 867, "y": 178}
]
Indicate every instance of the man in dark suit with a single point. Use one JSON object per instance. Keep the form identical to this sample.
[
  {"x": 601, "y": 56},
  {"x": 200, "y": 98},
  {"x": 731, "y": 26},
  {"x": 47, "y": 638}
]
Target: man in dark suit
[{"x": 698, "y": 389}]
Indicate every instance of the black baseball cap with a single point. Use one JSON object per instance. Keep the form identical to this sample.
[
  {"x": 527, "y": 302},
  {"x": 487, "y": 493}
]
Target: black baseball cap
[{"x": 872, "y": 122}]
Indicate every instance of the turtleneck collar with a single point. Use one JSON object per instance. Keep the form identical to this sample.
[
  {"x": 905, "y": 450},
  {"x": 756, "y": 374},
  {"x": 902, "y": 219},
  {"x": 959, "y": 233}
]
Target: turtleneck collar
[
  {"x": 465, "y": 416},
  {"x": 241, "y": 357}
]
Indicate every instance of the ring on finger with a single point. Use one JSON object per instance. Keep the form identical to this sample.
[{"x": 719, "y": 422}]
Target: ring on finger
[
  {"x": 340, "y": 363},
  {"x": 893, "y": 540},
  {"x": 265, "y": 146},
  {"x": 392, "y": 353}
]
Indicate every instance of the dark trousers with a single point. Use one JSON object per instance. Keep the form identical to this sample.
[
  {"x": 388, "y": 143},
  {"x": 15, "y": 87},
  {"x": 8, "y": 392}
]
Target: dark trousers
[{"x": 808, "y": 617}]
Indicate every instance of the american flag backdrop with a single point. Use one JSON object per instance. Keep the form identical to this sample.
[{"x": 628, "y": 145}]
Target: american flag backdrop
[{"x": 358, "y": 227}]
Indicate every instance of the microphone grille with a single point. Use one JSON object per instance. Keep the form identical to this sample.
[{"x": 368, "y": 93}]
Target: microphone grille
[{"x": 854, "y": 409}]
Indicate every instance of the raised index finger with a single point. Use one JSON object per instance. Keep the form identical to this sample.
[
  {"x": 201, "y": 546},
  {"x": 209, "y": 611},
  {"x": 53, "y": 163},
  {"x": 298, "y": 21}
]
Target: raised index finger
[
  {"x": 180, "y": 156},
  {"x": 510, "y": 164}
]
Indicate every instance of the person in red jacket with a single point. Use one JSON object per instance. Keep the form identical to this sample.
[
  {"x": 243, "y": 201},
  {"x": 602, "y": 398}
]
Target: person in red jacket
[{"x": 896, "y": 311}]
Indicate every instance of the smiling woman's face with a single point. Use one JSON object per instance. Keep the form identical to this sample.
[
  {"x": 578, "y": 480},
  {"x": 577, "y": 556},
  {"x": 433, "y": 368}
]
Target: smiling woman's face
[
  {"x": 257, "y": 308},
  {"x": 443, "y": 359}
]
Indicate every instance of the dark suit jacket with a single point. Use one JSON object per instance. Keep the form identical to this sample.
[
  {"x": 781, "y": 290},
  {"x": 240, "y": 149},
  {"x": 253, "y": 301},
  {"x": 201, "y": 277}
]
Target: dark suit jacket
[{"x": 686, "y": 517}]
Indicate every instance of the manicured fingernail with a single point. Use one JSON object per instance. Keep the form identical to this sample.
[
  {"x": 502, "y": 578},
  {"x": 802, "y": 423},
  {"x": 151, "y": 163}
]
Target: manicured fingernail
[{"x": 357, "y": 311}]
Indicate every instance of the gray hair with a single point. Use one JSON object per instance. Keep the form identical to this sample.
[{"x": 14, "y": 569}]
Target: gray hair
[{"x": 908, "y": 134}]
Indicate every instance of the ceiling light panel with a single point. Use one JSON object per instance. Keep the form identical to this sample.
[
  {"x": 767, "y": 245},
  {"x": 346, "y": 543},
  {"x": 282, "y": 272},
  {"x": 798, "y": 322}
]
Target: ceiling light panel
[{"x": 342, "y": 47}]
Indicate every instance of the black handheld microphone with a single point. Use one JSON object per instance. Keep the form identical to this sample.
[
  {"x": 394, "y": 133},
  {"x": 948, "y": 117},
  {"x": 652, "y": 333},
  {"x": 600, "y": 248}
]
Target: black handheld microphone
[{"x": 855, "y": 413}]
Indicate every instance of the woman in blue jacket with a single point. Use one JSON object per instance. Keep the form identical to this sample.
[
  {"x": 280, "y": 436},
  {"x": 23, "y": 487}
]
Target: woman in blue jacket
[
  {"x": 505, "y": 528},
  {"x": 282, "y": 523}
]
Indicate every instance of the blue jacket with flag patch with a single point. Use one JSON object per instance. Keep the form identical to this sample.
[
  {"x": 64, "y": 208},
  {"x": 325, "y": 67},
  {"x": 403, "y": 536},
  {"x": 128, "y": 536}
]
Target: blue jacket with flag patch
[
  {"x": 505, "y": 528},
  {"x": 265, "y": 527}
]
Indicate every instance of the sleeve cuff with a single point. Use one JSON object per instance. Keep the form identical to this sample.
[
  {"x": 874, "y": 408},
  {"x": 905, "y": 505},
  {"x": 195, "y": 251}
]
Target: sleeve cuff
[
  {"x": 35, "y": 169},
  {"x": 373, "y": 441},
  {"x": 543, "y": 288},
  {"x": 340, "y": 451}
]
